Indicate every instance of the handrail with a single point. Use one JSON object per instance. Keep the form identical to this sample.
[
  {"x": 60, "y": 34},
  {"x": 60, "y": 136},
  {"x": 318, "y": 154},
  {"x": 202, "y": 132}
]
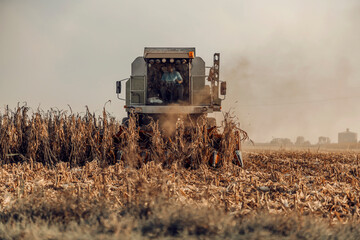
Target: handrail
[{"x": 123, "y": 99}]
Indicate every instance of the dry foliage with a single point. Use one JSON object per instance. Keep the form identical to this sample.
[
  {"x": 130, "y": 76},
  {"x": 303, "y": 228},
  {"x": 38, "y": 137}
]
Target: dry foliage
[
  {"x": 321, "y": 184},
  {"x": 52, "y": 157},
  {"x": 55, "y": 136}
]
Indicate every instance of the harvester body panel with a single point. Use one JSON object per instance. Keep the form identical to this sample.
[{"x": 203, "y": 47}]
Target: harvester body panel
[{"x": 143, "y": 89}]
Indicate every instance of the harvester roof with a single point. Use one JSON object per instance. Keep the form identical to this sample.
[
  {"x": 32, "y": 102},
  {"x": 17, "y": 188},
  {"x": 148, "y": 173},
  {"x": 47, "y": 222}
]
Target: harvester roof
[{"x": 167, "y": 52}]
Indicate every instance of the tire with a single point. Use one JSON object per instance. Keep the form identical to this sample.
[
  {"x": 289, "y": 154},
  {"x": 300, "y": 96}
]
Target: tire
[
  {"x": 125, "y": 121},
  {"x": 211, "y": 122}
]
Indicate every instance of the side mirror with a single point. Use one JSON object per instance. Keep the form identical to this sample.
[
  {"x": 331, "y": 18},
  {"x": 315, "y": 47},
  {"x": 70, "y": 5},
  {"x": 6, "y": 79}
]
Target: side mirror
[
  {"x": 223, "y": 88},
  {"x": 118, "y": 87}
]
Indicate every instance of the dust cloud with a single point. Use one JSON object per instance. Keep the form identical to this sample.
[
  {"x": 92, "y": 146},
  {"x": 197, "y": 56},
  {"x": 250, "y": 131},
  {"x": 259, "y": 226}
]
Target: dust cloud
[
  {"x": 291, "y": 66},
  {"x": 301, "y": 78}
]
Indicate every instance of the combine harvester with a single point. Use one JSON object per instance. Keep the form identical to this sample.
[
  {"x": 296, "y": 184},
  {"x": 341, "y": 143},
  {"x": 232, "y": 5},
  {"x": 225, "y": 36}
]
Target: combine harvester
[{"x": 167, "y": 88}]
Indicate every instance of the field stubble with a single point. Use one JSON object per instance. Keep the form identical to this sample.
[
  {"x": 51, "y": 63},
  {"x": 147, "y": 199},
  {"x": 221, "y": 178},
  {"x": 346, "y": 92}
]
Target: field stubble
[
  {"x": 321, "y": 184},
  {"x": 270, "y": 196},
  {"x": 282, "y": 186}
]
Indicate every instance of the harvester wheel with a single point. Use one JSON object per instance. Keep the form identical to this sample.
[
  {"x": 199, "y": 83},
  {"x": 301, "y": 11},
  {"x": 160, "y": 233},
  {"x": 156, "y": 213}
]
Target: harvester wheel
[
  {"x": 119, "y": 154},
  {"x": 215, "y": 159},
  {"x": 125, "y": 121},
  {"x": 211, "y": 122},
  {"x": 238, "y": 158}
]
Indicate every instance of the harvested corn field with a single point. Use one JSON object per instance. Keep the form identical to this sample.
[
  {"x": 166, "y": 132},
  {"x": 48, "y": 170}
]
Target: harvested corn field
[
  {"x": 59, "y": 179},
  {"x": 322, "y": 184},
  {"x": 290, "y": 184}
]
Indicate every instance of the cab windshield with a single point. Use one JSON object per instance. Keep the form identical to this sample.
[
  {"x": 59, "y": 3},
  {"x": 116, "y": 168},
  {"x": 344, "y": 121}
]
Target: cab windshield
[{"x": 167, "y": 82}]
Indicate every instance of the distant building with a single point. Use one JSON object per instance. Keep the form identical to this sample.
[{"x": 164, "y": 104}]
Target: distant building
[
  {"x": 281, "y": 141},
  {"x": 300, "y": 140},
  {"x": 324, "y": 140},
  {"x": 347, "y": 137}
]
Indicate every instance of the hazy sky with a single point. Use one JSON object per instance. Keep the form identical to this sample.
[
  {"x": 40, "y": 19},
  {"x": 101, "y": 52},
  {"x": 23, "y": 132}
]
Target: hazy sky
[{"x": 292, "y": 67}]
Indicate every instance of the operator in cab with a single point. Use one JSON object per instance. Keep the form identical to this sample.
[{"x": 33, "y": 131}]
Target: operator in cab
[{"x": 172, "y": 89}]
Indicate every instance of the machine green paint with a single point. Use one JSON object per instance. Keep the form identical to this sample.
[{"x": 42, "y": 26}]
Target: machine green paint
[{"x": 202, "y": 85}]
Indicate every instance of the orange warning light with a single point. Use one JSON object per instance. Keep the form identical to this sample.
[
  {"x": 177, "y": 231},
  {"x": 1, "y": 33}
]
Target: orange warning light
[{"x": 191, "y": 55}]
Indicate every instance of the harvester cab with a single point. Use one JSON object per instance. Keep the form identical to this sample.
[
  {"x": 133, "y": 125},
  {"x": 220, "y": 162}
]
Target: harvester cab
[{"x": 172, "y": 81}]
